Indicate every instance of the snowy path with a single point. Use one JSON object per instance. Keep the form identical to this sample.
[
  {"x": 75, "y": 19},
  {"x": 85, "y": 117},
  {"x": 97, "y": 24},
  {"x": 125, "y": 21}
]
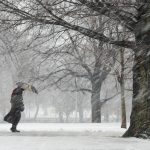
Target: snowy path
[{"x": 69, "y": 137}]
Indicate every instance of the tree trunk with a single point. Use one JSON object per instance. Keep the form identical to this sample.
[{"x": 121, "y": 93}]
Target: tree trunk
[
  {"x": 123, "y": 112},
  {"x": 95, "y": 102},
  {"x": 37, "y": 111},
  {"x": 122, "y": 85},
  {"x": 81, "y": 114},
  {"x": 61, "y": 119},
  {"x": 106, "y": 113},
  {"x": 118, "y": 114},
  {"x": 140, "y": 116},
  {"x": 67, "y": 117}
]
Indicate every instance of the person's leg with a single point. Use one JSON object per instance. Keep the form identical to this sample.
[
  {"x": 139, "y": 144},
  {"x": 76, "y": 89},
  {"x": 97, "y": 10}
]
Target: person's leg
[{"x": 16, "y": 121}]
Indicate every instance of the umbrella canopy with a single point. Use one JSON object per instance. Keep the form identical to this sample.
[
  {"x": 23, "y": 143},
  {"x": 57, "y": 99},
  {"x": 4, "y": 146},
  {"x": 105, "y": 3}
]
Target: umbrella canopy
[{"x": 26, "y": 86}]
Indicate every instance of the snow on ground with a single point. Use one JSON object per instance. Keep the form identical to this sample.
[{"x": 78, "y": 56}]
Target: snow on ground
[{"x": 52, "y": 136}]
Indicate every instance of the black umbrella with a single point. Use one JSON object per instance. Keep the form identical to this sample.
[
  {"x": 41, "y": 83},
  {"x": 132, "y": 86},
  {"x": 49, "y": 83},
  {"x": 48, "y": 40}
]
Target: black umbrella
[{"x": 27, "y": 86}]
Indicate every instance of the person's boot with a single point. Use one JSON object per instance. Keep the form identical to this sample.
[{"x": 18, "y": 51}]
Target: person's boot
[{"x": 13, "y": 129}]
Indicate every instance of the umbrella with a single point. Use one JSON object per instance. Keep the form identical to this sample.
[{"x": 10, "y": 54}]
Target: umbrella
[{"x": 27, "y": 86}]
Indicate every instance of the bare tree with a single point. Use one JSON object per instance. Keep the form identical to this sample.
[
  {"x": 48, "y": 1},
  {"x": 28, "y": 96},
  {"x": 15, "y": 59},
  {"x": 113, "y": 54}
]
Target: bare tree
[{"x": 135, "y": 17}]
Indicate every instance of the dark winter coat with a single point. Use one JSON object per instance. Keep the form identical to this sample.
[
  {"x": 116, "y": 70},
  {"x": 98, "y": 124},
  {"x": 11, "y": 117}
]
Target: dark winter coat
[
  {"x": 17, "y": 99},
  {"x": 16, "y": 104}
]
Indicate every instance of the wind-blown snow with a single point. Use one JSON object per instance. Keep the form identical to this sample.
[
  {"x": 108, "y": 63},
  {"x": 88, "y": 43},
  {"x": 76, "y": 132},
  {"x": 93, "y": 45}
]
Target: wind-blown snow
[{"x": 52, "y": 136}]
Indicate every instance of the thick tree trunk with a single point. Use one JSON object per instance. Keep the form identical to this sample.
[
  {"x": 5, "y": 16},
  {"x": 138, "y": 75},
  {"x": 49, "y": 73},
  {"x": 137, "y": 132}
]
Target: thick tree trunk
[
  {"x": 95, "y": 102},
  {"x": 140, "y": 116},
  {"x": 97, "y": 78}
]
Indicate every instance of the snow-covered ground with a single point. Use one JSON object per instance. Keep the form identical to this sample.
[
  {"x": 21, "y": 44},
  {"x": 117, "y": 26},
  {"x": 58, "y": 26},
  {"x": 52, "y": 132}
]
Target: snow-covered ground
[{"x": 52, "y": 136}]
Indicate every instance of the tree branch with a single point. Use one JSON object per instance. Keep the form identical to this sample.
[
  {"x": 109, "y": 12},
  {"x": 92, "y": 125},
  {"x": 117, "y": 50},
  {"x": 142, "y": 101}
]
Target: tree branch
[
  {"x": 103, "y": 101},
  {"x": 59, "y": 21},
  {"x": 111, "y": 11}
]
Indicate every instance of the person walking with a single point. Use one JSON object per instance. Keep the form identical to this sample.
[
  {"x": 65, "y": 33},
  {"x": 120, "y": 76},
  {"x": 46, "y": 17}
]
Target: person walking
[{"x": 17, "y": 105}]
